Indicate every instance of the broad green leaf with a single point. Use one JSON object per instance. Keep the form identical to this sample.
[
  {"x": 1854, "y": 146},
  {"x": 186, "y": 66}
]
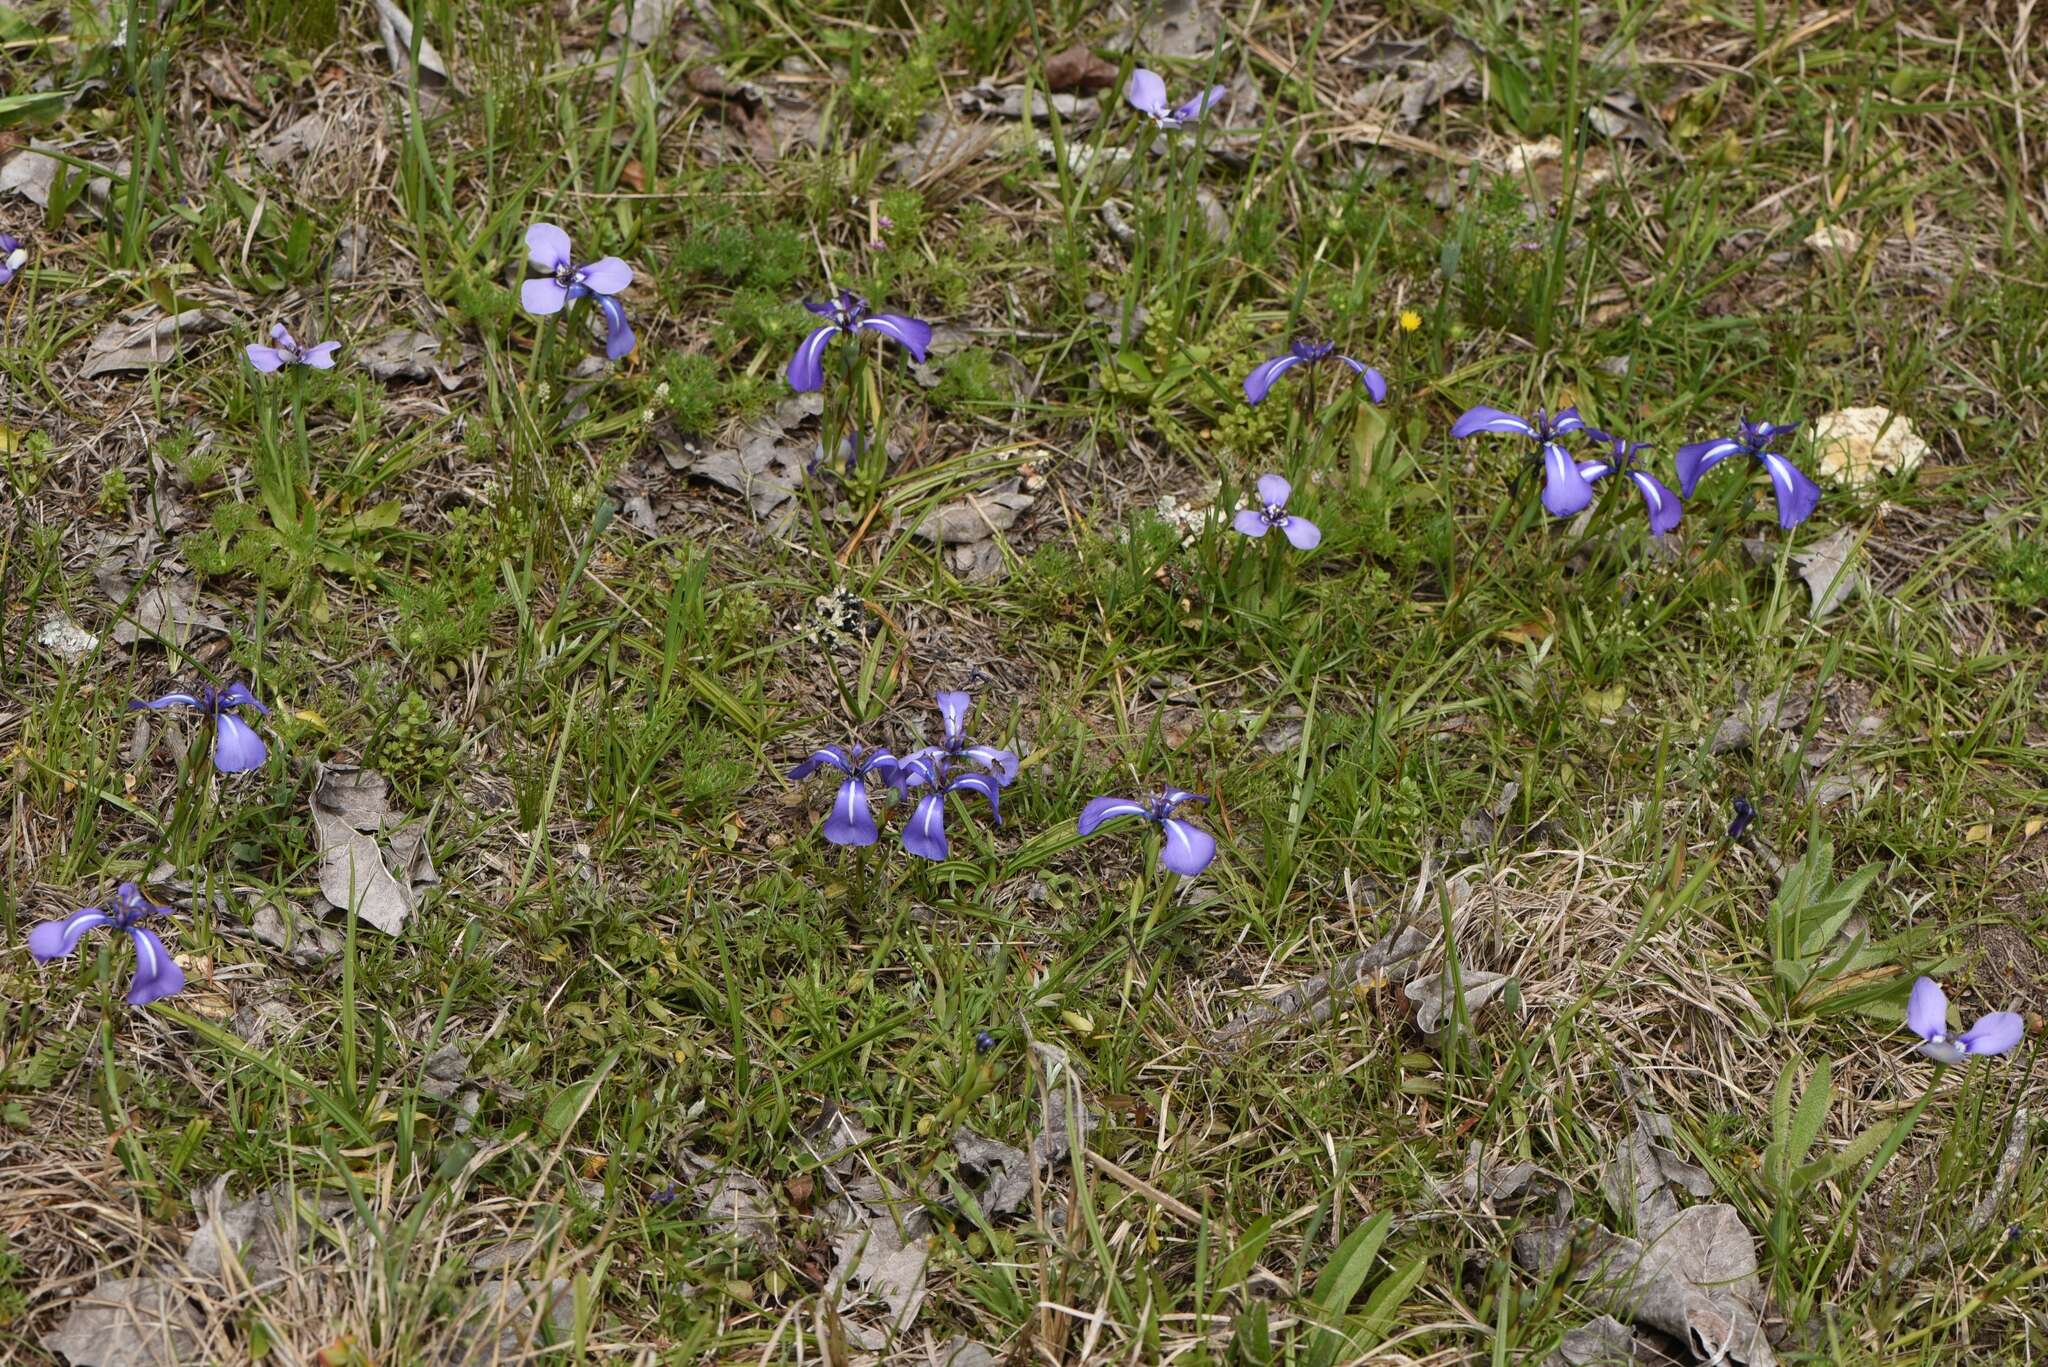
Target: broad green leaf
[
  {"x": 573, "y": 1100},
  {"x": 1339, "y": 1283}
]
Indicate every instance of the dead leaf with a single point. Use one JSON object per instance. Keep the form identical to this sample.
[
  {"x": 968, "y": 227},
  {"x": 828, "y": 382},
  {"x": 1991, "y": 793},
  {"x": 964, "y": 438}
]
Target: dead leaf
[
  {"x": 1009, "y": 102},
  {"x": 732, "y": 1204},
  {"x": 939, "y": 148},
  {"x": 1740, "y": 728},
  {"x": 1604, "y": 1342},
  {"x": 503, "y": 1321},
  {"x": 408, "y": 354},
  {"x": 1834, "y": 245},
  {"x": 1857, "y": 445},
  {"x": 1431, "y": 996},
  {"x": 1690, "y": 1273},
  {"x": 1418, "y": 80},
  {"x": 66, "y": 639},
  {"x": 1179, "y": 28},
  {"x": 129, "y": 1322},
  {"x": 1078, "y": 68},
  {"x": 974, "y": 518},
  {"x": 30, "y": 174},
  {"x": 356, "y": 872},
  {"x": 766, "y": 467},
  {"x": 147, "y": 342},
  {"x": 648, "y": 21},
  {"x": 263, "y": 1236},
  {"x": 1825, "y": 566},
  {"x": 1623, "y": 117},
  {"x": 308, "y": 943},
  {"x": 168, "y": 612},
  {"x": 306, "y": 138},
  {"x": 394, "y": 25},
  {"x": 1646, "y": 1168}
]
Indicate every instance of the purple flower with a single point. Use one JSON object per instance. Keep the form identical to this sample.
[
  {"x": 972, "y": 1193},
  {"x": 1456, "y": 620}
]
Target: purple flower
[
  {"x": 270, "y": 359},
  {"x": 953, "y": 709},
  {"x": 1660, "y": 505},
  {"x": 849, "y": 313},
  {"x": 850, "y": 822},
  {"x": 1927, "y": 1017},
  {"x": 1565, "y": 490},
  {"x": 13, "y": 256},
  {"x": 1147, "y": 95},
  {"x": 1797, "y": 495},
  {"x": 924, "y": 834},
  {"x": 1187, "y": 849},
  {"x": 156, "y": 974},
  {"x": 562, "y": 283},
  {"x": 1272, "y": 512},
  {"x": 1306, "y": 352},
  {"x": 236, "y": 746}
]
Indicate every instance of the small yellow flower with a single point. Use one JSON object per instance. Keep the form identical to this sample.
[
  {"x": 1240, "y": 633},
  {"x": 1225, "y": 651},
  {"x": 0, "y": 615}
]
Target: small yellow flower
[{"x": 1410, "y": 320}]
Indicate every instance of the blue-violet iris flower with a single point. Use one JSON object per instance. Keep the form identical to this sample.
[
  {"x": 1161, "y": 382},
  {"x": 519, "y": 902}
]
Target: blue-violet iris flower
[
  {"x": 1565, "y": 490},
  {"x": 1660, "y": 505},
  {"x": 953, "y": 709},
  {"x": 850, "y": 822},
  {"x": 1147, "y": 94},
  {"x": 236, "y": 746},
  {"x": 13, "y": 256},
  {"x": 562, "y": 283},
  {"x": 849, "y": 313},
  {"x": 1187, "y": 849},
  {"x": 156, "y": 973},
  {"x": 924, "y": 833},
  {"x": 1927, "y": 1017},
  {"x": 1305, "y": 352},
  {"x": 1797, "y": 495},
  {"x": 270, "y": 359},
  {"x": 1272, "y": 512}
]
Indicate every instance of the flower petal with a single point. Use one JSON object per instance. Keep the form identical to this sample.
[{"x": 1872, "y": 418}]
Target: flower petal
[
  {"x": 1201, "y": 104},
  {"x": 817, "y": 759},
  {"x": 157, "y": 974},
  {"x": 1566, "y": 422},
  {"x": 953, "y": 713},
  {"x": 547, "y": 247},
  {"x": 1660, "y": 505},
  {"x": 1260, "y": 381},
  {"x": 1274, "y": 491},
  {"x": 924, "y": 834},
  {"x": 1696, "y": 458},
  {"x": 912, "y": 334},
  {"x": 238, "y": 695},
  {"x": 1565, "y": 490},
  {"x": 988, "y": 785},
  {"x": 1590, "y": 470},
  {"x": 1001, "y": 763},
  {"x": 606, "y": 275},
  {"x": 806, "y": 369},
  {"x": 320, "y": 357},
  {"x": 618, "y": 335},
  {"x": 1146, "y": 92},
  {"x": 1993, "y": 1034},
  {"x": 1374, "y": 382},
  {"x": 542, "y": 296},
  {"x": 1106, "y": 809},
  {"x": 1797, "y": 495},
  {"x": 1927, "y": 1009},
  {"x": 269, "y": 360},
  {"x": 1944, "y": 1052},
  {"x": 1483, "y": 418},
  {"x": 55, "y": 939},
  {"x": 167, "y": 700},
  {"x": 1250, "y": 521},
  {"x": 1305, "y": 535},
  {"x": 236, "y": 746},
  {"x": 1187, "y": 849},
  {"x": 850, "y": 821}
]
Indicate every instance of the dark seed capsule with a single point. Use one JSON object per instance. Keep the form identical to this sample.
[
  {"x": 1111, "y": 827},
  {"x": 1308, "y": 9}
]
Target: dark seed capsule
[
  {"x": 1744, "y": 814},
  {"x": 983, "y": 1041}
]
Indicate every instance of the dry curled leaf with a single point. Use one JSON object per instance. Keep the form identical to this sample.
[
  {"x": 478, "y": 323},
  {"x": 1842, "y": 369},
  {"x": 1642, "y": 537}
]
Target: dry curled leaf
[
  {"x": 1855, "y": 446},
  {"x": 147, "y": 342}
]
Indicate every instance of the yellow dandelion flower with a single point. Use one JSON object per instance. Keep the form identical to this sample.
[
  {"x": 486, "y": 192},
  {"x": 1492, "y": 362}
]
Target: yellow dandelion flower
[{"x": 1410, "y": 320}]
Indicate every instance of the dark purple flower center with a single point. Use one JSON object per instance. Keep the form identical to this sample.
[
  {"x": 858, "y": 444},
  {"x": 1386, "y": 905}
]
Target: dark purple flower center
[
  {"x": 1309, "y": 349},
  {"x": 1274, "y": 514},
  {"x": 1160, "y": 807},
  {"x": 132, "y": 908},
  {"x": 848, "y": 309}
]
